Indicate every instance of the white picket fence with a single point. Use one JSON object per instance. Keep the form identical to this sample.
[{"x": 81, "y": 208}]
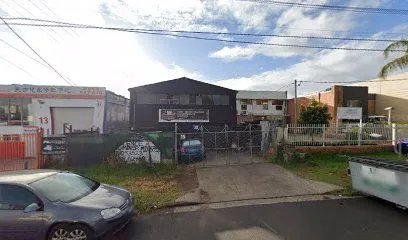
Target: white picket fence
[{"x": 346, "y": 134}]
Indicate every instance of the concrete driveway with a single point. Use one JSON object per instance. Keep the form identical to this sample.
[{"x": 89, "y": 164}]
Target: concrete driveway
[{"x": 251, "y": 181}]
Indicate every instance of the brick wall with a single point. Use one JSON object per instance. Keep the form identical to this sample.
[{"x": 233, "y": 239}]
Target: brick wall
[{"x": 344, "y": 149}]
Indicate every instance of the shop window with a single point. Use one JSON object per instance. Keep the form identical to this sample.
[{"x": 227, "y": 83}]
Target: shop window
[
  {"x": 4, "y": 106},
  {"x": 14, "y": 111}
]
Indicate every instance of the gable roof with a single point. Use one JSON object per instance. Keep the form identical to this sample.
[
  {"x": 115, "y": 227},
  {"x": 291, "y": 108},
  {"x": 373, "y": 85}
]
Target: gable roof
[{"x": 179, "y": 85}]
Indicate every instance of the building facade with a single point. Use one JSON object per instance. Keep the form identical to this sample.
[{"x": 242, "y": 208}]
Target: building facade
[
  {"x": 390, "y": 92},
  {"x": 117, "y": 113},
  {"x": 184, "y": 101},
  {"x": 254, "y": 106},
  {"x": 334, "y": 97},
  {"x": 55, "y": 109}
]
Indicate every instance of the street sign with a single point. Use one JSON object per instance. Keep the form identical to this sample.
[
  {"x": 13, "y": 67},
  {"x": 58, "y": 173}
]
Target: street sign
[{"x": 54, "y": 145}]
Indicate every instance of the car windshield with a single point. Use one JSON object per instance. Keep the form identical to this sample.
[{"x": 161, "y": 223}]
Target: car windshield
[
  {"x": 64, "y": 187},
  {"x": 191, "y": 143}
]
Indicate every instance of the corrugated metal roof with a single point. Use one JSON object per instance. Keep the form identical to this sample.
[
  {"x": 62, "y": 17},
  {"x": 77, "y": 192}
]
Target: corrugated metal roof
[{"x": 261, "y": 95}]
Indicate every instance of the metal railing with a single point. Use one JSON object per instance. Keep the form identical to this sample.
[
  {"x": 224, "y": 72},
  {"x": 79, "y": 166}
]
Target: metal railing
[{"x": 345, "y": 134}]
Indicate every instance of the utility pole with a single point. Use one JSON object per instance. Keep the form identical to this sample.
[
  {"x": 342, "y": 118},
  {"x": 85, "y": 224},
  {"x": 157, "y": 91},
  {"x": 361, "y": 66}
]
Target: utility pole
[{"x": 295, "y": 102}]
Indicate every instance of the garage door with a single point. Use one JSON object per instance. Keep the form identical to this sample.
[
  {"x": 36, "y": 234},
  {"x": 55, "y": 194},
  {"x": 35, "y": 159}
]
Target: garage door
[{"x": 79, "y": 118}]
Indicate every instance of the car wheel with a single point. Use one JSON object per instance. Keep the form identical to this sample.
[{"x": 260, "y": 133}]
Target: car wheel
[
  {"x": 80, "y": 232},
  {"x": 59, "y": 232}
]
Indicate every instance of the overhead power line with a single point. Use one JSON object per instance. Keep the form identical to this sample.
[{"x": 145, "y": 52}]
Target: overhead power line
[
  {"x": 36, "y": 53},
  {"x": 173, "y": 34},
  {"x": 25, "y": 54},
  {"x": 16, "y": 66},
  {"x": 360, "y": 81},
  {"x": 284, "y": 86},
  {"x": 395, "y": 11},
  {"x": 213, "y": 32}
]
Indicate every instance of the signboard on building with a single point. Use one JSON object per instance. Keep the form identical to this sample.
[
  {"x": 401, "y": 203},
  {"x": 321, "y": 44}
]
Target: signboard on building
[
  {"x": 54, "y": 145},
  {"x": 349, "y": 113},
  {"x": 31, "y": 91},
  {"x": 184, "y": 115}
]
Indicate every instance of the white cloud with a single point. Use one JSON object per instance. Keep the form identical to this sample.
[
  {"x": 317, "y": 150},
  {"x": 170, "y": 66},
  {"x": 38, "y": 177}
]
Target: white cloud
[
  {"x": 327, "y": 65},
  {"x": 299, "y": 21},
  {"x": 87, "y": 57}
]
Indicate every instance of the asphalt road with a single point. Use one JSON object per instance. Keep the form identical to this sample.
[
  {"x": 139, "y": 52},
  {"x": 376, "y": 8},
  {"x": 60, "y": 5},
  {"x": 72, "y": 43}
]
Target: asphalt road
[{"x": 362, "y": 218}]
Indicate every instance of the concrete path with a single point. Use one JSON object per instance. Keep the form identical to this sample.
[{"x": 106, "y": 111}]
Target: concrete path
[{"x": 251, "y": 181}]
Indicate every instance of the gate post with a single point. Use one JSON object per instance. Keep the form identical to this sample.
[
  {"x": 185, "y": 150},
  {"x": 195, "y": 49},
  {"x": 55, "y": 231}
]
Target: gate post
[
  {"x": 250, "y": 140},
  {"x": 38, "y": 141},
  {"x": 175, "y": 161}
]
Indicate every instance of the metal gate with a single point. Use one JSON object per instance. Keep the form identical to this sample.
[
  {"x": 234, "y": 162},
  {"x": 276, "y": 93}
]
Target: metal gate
[
  {"x": 248, "y": 144},
  {"x": 21, "y": 150}
]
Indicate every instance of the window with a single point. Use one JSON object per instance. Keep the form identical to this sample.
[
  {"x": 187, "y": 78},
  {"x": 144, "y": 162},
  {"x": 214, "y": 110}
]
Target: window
[
  {"x": 15, "y": 197},
  {"x": 4, "y": 106},
  {"x": 353, "y": 103},
  {"x": 221, "y": 99},
  {"x": 261, "y": 102},
  {"x": 265, "y": 107},
  {"x": 65, "y": 187},
  {"x": 191, "y": 143},
  {"x": 279, "y": 108},
  {"x": 146, "y": 98},
  {"x": 208, "y": 100},
  {"x": 192, "y": 99},
  {"x": 277, "y": 102},
  {"x": 246, "y": 101},
  {"x": 244, "y": 107},
  {"x": 14, "y": 111},
  {"x": 184, "y": 99}
]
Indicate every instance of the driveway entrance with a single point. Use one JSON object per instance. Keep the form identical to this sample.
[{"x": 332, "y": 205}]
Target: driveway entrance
[
  {"x": 252, "y": 181},
  {"x": 248, "y": 144}
]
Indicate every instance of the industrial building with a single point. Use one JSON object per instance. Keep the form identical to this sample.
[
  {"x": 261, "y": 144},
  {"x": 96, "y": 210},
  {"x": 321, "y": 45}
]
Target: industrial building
[
  {"x": 337, "y": 96},
  {"x": 184, "y": 101},
  {"x": 62, "y": 109}
]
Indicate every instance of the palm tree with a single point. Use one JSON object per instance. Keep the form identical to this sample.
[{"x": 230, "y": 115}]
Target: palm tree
[{"x": 398, "y": 63}]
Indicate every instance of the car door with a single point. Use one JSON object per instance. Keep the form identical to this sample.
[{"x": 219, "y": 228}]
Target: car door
[{"x": 15, "y": 223}]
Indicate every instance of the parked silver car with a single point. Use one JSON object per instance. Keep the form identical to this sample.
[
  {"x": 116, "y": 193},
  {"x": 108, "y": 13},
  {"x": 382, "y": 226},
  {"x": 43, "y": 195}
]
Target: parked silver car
[{"x": 57, "y": 205}]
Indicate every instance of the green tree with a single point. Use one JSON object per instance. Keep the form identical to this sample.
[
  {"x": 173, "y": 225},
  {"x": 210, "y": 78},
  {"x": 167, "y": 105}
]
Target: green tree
[
  {"x": 314, "y": 113},
  {"x": 398, "y": 63}
]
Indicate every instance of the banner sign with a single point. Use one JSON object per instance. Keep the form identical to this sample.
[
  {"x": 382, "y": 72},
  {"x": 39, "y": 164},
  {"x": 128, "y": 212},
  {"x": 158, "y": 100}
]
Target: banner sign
[
  {"x": 349, "y": 113},
  {"x": 184, "y": 115},
  {"x": 33, "y": 91},
  {"x": 54, "y": 145}
]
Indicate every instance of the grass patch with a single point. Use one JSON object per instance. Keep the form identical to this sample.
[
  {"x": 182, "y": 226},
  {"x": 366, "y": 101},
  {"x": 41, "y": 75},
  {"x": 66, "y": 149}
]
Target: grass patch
[
  {"x": 330, "y": 168},
  {"x": 151, "y": 187}
]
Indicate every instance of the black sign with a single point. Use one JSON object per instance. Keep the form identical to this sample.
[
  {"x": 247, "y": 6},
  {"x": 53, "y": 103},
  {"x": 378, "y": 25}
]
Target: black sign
[
  {"x": 54, "y": 145},
  {"x": 184, "y": 115}
]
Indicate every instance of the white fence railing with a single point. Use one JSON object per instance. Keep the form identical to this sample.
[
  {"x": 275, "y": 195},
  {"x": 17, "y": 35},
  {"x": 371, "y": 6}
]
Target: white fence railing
[{"x": 347, "y": 134}]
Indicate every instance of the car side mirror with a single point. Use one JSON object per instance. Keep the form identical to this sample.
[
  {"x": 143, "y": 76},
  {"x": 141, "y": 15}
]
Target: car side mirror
[{"x": 32, "y": 208}]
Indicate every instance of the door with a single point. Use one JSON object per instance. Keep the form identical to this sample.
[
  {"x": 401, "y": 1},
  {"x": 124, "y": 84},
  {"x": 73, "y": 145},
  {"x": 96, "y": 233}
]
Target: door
[
  {"x": 80, "y": 118},
  {"x": 14, "y": 222}
]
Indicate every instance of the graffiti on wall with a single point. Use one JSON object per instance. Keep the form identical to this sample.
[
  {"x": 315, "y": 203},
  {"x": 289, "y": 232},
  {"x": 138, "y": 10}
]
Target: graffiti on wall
[{"x": 137, "y": 152}]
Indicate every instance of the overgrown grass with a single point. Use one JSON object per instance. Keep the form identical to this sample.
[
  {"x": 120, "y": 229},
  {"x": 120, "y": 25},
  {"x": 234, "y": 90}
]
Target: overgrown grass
[
  {"x": 330, "y": 168},
  {"x": 151, "y": 187}
]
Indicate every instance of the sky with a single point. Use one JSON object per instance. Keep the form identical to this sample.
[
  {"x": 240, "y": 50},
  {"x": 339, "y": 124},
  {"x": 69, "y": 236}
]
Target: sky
[{"x": 120, "y": 60}]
